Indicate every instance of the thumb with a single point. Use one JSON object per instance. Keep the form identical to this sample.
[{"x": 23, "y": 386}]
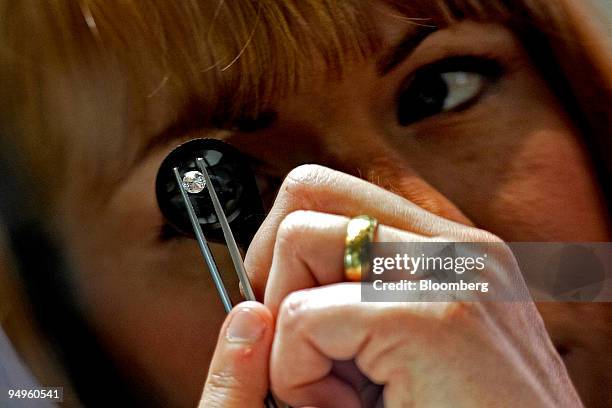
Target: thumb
[{"x": 238, "y": 373}]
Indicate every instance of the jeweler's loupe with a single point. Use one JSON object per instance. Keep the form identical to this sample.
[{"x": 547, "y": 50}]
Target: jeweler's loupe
[{"x": 232, "y": 180}]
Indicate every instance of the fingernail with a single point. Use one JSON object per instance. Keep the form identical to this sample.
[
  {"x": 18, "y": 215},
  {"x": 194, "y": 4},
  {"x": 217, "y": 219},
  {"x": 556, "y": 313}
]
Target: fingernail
[{"x": 245, "y": 327}]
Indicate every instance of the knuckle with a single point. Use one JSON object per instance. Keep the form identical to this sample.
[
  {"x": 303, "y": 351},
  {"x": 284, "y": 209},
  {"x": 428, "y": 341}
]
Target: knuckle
[
  {"x": 293, "y": 225},
  {"x": 306, "y": 172},
  {"x": 485, "y": 236},
  {"x": 293, "y": 313},
  {"x": 459, "y": 313},
  {"x": 290, "y": 232},
  {"x": 303, "y": 182},
  {"x": 221, "y": 387},
  {"x": 479, "y": 235}
]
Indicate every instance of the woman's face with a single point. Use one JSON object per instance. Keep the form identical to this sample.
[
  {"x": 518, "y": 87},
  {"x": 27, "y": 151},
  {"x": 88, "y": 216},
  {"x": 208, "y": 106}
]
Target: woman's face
[{"x": 462, "y": 124}]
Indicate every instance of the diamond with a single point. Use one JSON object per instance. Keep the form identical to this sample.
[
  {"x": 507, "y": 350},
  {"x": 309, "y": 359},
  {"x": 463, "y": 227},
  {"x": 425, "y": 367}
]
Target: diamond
[{"x": 193, "y": 182}]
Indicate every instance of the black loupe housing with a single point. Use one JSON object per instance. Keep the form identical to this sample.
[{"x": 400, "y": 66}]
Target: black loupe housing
[{"x": 233, "y": 181}]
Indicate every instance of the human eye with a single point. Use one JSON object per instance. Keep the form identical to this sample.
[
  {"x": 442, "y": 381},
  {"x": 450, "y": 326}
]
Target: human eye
[{"x": 451, "y": 84}]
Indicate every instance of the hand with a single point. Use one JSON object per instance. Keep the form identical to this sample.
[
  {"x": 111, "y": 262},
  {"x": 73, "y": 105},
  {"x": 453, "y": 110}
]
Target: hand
[
  {"x": 238, "y": 374},
  {"x": 425, "y": 354}
]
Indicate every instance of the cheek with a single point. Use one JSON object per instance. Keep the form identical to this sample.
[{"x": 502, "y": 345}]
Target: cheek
[
  {"x": 152, "y": 304},
  {"x": 550, "y": 192},
  {"x": 523, "y": 184}
]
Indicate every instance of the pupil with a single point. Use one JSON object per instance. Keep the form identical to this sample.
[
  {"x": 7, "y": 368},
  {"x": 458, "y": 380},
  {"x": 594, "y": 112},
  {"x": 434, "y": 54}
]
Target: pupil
[{"x": 424, "y": 96}]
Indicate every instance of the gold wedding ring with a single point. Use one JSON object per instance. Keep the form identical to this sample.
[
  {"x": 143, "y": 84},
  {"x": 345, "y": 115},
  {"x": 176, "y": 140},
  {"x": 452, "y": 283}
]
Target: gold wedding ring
[{"x": 359, "y": 232}]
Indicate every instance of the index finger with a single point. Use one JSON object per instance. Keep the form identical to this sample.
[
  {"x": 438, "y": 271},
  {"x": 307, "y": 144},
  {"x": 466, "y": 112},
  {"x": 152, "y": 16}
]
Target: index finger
[{"x": 316, "y": 188}]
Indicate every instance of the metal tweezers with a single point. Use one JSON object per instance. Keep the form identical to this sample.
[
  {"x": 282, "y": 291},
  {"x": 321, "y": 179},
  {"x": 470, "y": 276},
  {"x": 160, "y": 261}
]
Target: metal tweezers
[{"x": 230, "y": 242}]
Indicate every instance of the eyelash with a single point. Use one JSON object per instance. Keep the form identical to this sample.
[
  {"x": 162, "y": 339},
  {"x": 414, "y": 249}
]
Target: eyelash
[{"x": 416, "y": 99}]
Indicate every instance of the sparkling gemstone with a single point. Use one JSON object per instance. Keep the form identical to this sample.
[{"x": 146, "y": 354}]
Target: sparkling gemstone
[{"x": 194, "y": 182}]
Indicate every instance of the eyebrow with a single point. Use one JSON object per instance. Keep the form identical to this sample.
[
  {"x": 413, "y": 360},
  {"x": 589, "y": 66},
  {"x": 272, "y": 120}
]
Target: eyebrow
[{"x": 389, "y": 61}]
